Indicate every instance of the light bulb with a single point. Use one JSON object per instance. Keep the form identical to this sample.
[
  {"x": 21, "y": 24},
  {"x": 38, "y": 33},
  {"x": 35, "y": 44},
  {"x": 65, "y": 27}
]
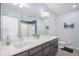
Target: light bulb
[
  {"x": 74, "y": 6},
  {"x": 21, "y": 6},
  {"x": 44, "y": 13},
  {"x": 15, "y": 3}
]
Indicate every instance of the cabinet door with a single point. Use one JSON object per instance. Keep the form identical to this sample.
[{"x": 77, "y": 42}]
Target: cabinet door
[
  {"x": 46, "y": 51},
  {"x": 55, "y": 47},
  {"x": 51, "y": 53},
  {"x": 22, "y": 54},
  {"x": 35, "y": 50}
]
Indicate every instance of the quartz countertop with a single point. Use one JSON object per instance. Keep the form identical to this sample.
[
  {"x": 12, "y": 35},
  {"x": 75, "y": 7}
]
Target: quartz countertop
[{"x": 25, "y": 44}]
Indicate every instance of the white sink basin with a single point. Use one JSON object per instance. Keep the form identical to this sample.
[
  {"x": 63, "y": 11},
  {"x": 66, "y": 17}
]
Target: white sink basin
[
  {"x": 20, "y": 45},
  {"x": 24, "y": 44},
  {"x": 29, "y": 38}
]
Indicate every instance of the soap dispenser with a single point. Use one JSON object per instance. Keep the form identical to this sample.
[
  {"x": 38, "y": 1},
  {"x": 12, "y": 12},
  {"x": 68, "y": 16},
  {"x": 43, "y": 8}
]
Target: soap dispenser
[{"x": 7, "y": 41}]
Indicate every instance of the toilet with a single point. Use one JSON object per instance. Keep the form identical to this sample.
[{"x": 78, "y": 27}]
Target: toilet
[{"x": 61, "y": 44}]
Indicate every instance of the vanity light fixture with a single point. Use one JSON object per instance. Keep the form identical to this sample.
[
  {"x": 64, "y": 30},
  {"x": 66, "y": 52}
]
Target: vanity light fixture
[
  {"x": 21, "y": 5},
  {"x": 44, "y": 13},
  {"x": 15, "y": 3}
]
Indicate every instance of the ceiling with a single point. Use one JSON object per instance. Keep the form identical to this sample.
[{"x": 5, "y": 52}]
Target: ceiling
[
  {"x": 29, "y": 11},
  {"x": 60, "y": 8},
  {"x": 34, "y": 8}
]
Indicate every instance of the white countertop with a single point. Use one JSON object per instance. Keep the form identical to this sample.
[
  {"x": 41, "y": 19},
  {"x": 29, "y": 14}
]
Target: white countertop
[{"x": 26, "y": 44}]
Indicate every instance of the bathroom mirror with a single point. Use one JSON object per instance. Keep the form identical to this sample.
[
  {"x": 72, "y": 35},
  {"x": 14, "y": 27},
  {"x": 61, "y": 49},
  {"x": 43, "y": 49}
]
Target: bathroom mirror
[
  {"x": 28, "y": 28},
  {"x": 0, "y": 21}
]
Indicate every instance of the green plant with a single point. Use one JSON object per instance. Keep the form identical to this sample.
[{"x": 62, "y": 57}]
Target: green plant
[{"x": 36, "y": 35}]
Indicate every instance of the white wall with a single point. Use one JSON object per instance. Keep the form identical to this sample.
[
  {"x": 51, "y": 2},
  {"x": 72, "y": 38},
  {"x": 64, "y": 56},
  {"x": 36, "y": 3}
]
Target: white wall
[
  {"x": 69, "y": 35},
  {"x": 50, "y": 21}
]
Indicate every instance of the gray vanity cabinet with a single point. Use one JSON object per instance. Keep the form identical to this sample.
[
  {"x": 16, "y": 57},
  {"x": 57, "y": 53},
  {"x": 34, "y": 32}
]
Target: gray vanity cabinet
[
  {"x": 47, "y": 49},
  {"x": 39, "y": 53},
  {"x": 53, "y": 47},
  {"x": 25, "y": 53},
  {"x": 36, "y": 51},
  {"x": 51, "y": 50}
]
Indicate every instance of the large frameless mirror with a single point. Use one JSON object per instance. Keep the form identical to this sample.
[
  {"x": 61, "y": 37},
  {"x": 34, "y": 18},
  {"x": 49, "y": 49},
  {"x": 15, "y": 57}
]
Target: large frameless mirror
[{"x": 0, "y": 21}]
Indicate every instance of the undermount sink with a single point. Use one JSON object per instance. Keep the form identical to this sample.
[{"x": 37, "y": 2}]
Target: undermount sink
[
  {"x": 23, "y": 44},
  {"x": 29, "y": 38},
  {"x": 20, "y": 45}
]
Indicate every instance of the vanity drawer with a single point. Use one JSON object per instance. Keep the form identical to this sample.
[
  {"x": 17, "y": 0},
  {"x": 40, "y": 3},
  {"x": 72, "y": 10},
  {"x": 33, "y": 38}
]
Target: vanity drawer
[
  {"x": 35, "y": 50},
  {"x": 45, "y": 45}
]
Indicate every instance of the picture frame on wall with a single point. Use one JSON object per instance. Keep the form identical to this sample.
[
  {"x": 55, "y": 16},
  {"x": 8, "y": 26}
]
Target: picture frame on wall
[
  {"x": 68, "y": 26},
  {"x": 72, "y": 26},
  {"x": 65, "y": 25}
]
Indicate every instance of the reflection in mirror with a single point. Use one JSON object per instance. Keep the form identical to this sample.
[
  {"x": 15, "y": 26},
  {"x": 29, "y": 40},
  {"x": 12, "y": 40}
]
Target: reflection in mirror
[
  {"x": 9, "y": 28},
  {"x": 28, "y": 28},
  {"x": 0, "y": 21}
]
